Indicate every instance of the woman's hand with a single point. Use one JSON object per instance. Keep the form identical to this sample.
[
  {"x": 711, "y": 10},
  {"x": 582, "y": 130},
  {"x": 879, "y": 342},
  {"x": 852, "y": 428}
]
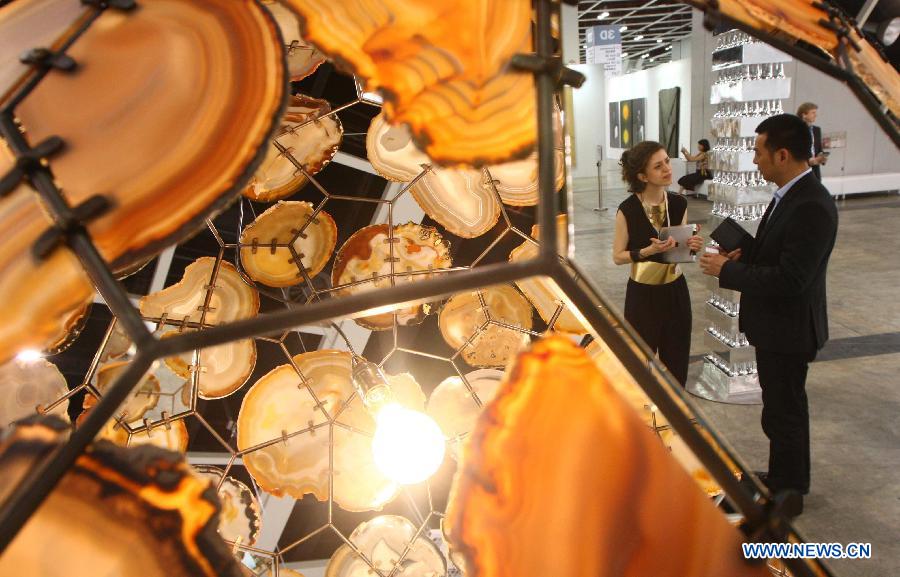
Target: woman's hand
[
  {"x": 657, "y": 246},
  {"x": 685, "y": 151},
  {"x": 696, "y": 243}
]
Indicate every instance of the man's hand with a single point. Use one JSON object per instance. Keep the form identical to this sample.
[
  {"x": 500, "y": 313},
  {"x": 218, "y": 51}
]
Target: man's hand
[
  {"x": 733, "y": 255},
  {"x": 711, "y": 264}
]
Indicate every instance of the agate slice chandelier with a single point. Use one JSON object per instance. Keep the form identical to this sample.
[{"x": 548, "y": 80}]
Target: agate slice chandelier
[{"x": 461, "y": 133}]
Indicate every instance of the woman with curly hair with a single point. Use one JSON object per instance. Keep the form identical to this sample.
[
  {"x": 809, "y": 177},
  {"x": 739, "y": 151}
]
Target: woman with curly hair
[{"x": 657, "y": 303}]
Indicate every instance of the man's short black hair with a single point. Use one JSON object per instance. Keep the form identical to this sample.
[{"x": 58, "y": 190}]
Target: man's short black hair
[{"x": 787, "y": 131}]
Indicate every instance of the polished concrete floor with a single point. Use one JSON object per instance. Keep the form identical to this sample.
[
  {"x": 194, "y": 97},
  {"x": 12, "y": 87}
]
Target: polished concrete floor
[{"x": 853, "y": 387}]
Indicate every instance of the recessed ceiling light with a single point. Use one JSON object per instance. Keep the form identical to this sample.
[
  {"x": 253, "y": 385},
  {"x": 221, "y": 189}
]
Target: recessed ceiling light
[
  {"x": 669, "y": 47},
  {"x": 659, "y": 40},
  {"x": 643, "y": 55},
  {"x": 603, "y": 15},
  {"x": 639, "y": 37},
  {"x": 652, "y": 59},
  {"x": 624, "y": 55},
  {"x": 623, "y": 28}
]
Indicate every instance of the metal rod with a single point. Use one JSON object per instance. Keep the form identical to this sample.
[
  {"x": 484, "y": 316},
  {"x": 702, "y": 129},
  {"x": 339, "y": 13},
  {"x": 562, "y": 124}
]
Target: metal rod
[
  {"x": 865, "y": 12},
  {"x": 79, "y": 240},
  {"x": 356, "y": 303},
  {"x": 546, "y": 86},
  {"x": 31, "y": 78},
  {"x": 600, "y": 207}
]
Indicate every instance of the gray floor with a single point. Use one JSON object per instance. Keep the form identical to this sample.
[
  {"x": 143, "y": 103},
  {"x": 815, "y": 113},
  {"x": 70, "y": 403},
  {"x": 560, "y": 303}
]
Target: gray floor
[{"x": 854, "y": 387}]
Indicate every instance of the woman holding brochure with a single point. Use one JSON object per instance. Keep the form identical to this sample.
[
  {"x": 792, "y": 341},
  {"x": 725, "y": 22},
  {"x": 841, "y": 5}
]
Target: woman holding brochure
[{"x": 657, "y": 303}]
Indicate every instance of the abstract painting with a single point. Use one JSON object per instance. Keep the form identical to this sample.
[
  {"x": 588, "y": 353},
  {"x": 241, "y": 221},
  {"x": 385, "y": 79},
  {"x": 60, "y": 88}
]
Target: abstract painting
[
  {"x": 669, "y": 103},
  {"x": 615, "y": 129}
]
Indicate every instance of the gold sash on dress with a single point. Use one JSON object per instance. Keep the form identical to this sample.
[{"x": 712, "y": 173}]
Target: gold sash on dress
[{"x": 655, "y": 273}]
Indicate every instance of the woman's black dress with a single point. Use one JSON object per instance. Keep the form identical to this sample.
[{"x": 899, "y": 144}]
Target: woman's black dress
[{"x": 657, "y": 302}]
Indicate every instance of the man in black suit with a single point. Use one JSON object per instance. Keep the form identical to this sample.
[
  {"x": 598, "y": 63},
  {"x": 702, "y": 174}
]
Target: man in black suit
[
  {"x": 808, "y": 111},
  {"x": 781, "y": 277}
]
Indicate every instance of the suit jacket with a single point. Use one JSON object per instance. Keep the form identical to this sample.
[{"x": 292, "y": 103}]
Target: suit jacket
[
  {"x": 781, "y": 272},
  {"x": 817, "y": 148}
]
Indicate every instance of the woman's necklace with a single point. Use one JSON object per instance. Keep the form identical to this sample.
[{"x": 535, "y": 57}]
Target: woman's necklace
[{"x": 654, "y": 212}]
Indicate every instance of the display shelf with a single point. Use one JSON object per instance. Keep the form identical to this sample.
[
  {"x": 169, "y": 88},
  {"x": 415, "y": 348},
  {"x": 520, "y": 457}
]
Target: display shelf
[
  {"x": 735, "y": 126},
  {"x": 732, "y": 355},
  {"x": 746, "y": 90},
  {"x": 732, "y": 160},
  {"x": 716, "y": 316},
  {"x": 722, "y": 310},
  {"x": 736, "y": 194},
  {"x": 715, "y": 385},
  {"x": 750, "y": 86},
  {"x": 750, "y": 53}
]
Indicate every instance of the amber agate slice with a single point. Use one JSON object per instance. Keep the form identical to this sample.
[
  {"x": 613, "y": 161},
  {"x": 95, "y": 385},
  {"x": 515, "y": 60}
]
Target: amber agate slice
[
  {"x": 175, "y": 102},
  {"x": 239, "y": 519},
  {"x": 461, "y": 200},
  {"x": 541, "y": 292},
  {"x": 282, "y": 407},
  {"x": 172, "y": 436},
  {"x": 142, "y": 398},
  {"x": 117, "y": 345},
  {"x": 383, "y": 540},
  {"x": 25, "y": 386},
  {"x": 517, "y": 181},
  {"x": 309, "y": 137},
  {"x": 223, "y": 369},
  {"x": 443, "y": 68},
  {"x": 365, "y": 257},
  {"x": 464, "y": 315},
  {"x": 455, "y": 404},
  {"x": 40, "y": 318},
  {"x": 613, "y": 485},
  {"x": 73, "y": 325},
  {"x": 302, "y": 59},
  {"x": 116, "y": 511},
  {"x": 622, "y": 381},
  {"x": 392, "y": 152},
  {"x": 231, "y": 299},
  {"x": 287, "y": 223}
]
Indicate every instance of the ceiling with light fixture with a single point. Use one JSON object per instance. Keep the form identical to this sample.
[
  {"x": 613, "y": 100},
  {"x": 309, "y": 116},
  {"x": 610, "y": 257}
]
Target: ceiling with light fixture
[
  {"x": 652, "y": 25},
  {"x": 648, "y": 26}
]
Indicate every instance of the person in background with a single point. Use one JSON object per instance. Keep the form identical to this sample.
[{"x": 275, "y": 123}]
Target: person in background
[
  {"x": 781, "y": 276},
  {"x": 692, "y": 180},
  {"x": 657, "y": 303},
  {"x": 808, "y": 112}
]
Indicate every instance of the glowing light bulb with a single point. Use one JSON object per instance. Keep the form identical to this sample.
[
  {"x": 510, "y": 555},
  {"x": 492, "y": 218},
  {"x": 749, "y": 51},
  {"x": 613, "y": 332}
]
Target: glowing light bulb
[
  {"x": 408, "y": 446},
  {"x": 29, "y": 356}
]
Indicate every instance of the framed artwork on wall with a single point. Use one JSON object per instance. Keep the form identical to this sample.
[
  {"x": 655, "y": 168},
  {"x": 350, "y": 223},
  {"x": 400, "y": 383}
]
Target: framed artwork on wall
[
  {"x": 638, "y": 111},
  {"x": 615, "y": 129},
  {"x": 669, "y": 106},
  {"x": 625, "y": 118}
]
